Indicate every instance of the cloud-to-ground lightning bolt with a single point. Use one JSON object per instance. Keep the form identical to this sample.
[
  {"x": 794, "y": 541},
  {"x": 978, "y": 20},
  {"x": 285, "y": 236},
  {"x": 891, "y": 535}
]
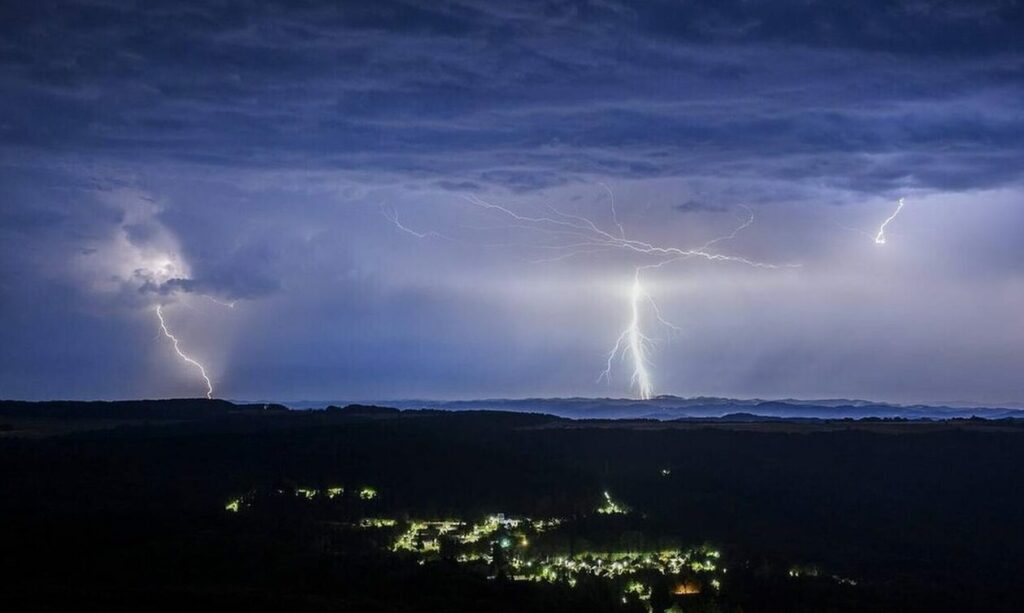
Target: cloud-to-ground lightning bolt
[
  {"x": 880, "y": 237},
  {"x": 635, "y": 342},
  {"x": 181, "y": 354},
  {"x": 575, "y": 235}
]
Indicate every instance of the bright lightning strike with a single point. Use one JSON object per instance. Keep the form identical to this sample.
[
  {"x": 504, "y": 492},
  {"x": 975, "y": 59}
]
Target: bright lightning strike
[
  {"x": 181, "y": 354},
  {"x": 586, "y": 237},
  {"x": 880, "y": 237},
  {"x": 637, "y": 340},
  {"x": 573, "y": 235},
  {"x": 634, "y": 342}
]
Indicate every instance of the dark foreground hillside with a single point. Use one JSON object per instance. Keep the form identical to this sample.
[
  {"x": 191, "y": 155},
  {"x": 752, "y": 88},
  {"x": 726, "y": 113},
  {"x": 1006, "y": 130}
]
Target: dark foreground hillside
[{"x": 259, "y": 508}]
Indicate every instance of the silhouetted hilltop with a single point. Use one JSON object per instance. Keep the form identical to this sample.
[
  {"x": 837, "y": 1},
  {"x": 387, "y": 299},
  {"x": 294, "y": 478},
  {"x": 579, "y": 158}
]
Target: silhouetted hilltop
[
  {"x": 923, "y": 515},
  {"x": 178, "y": 408},
  {"x": 661, "y": 408},
  {"x": 364, "y": 410}
]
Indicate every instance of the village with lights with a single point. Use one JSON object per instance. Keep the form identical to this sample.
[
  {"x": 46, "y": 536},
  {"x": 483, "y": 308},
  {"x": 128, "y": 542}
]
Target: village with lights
[{"x": 505, "y": 547}]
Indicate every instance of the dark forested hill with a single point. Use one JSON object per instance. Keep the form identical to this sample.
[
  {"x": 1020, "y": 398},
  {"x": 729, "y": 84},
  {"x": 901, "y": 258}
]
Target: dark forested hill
[{"x": 923, "y": 516}]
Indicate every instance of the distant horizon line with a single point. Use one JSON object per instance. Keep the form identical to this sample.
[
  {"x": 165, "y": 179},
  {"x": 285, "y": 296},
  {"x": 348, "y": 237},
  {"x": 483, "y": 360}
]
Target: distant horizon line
[
  {"x": 381, "y": 401},
  {"x": 307, "y": 403}
]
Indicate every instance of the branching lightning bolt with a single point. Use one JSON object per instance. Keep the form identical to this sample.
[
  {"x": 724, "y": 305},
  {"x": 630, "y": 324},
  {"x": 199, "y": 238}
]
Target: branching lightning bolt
[
  {"x": 880, "y": 237},
  {"x": 635, "y": 342},
  {"x": 590, "y": 238},
  {"x": 392, "y": 216},
  {"x": 574, "y": 235},
  {"x": 181, "y": 354}
]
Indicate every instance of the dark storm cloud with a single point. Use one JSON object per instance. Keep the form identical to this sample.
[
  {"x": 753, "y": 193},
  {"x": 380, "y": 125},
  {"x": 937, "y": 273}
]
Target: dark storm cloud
[
  {"x": 241, "y": 150},
  {"x": 927, "y": 27},
  {"x": 527, "y": 95}
]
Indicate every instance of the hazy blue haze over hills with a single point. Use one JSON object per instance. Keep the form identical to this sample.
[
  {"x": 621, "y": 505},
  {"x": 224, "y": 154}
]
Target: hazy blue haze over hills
[{"x": 673, "y": 407}]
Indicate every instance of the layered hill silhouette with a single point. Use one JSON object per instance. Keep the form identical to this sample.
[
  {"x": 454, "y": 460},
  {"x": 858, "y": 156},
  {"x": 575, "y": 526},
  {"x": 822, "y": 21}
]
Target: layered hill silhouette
[{"x": 663, "y": 408}]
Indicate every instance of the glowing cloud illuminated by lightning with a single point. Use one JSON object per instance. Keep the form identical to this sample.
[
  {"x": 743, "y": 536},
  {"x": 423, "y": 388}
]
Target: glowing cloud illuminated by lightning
[{"x": 139, "y": 262}]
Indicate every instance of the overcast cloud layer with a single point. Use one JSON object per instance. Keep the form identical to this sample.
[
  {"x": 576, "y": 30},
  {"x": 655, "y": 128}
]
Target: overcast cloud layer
[{"x": 205, "y": 154}]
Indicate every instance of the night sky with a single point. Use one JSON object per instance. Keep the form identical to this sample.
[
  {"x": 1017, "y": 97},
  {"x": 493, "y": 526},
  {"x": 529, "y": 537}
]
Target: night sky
[{"x": 320, "y": 166}]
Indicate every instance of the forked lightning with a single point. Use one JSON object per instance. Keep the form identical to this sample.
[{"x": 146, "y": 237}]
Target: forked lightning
[{"x": 574, "y": 235}]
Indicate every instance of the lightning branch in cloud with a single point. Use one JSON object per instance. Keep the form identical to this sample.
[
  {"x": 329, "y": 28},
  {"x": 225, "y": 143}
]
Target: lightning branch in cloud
[
  {"x": 219, "y": 302},
  {"x": 880, "y": 237},
  {"x": 181, "y": 354}
]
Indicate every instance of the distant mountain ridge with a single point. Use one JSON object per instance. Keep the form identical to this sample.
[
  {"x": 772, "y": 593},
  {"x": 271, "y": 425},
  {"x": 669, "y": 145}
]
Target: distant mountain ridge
[
  {"x": 674, "y": 408},
  {"x": 662, "y": 408}
]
